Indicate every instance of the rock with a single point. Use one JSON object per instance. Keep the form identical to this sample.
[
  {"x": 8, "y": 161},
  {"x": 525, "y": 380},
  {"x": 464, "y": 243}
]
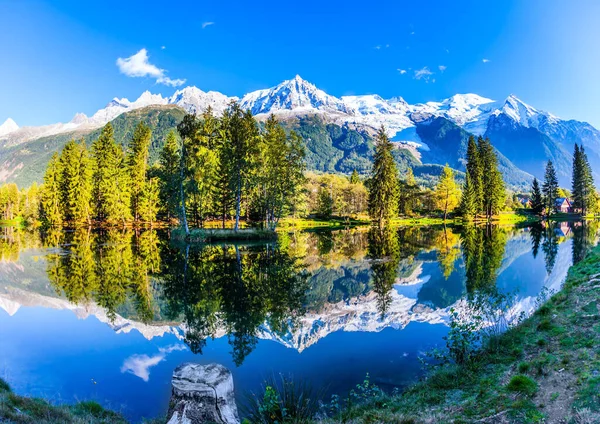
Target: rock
[{"x": 202, "y": 394}]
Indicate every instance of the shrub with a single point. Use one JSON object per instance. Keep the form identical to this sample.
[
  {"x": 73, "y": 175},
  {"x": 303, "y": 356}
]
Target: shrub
[
  {"x": 524, "y": 367},
  {"x": 4, "y": 387},
  {"x": 282, "y": 401},
  {"x": 522, "y": 384}
]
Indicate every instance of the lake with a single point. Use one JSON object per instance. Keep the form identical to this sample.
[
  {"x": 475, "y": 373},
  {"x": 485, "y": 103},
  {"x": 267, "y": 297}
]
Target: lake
[{"x": 108, "y": 315}]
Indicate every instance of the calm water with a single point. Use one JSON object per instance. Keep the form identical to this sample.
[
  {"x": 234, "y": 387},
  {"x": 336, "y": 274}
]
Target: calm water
[{"x": 108, "y": 315}]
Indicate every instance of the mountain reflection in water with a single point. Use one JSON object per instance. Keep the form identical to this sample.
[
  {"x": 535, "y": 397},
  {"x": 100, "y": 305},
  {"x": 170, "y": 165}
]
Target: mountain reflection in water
[{"x": 297, "y": 291}]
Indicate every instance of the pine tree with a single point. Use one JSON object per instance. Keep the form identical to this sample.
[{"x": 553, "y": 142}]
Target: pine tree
[
  {"x": 472, "y": 197},
  {"x": 583, "y": 190},
  {"x": 383, "y": 187},
  {"x": 537, "y": 199},
  {"x": 51, "y": 213},
  {"x": 169, "y": 176},
  {"x": 494, "y": 194},
  {"x": 468, "y": 206},
  {"x": 111, "y": 188},
  {"x": 138, "y": 164},
  {"x": 550, "y": 187},
  {"x": 447, "y": 194},
  {"x": 354, "y": 178}
]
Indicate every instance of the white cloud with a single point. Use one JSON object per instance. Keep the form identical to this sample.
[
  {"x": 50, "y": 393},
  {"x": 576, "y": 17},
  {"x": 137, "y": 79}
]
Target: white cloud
[
  {"x": 162, "y": 47},
  {"x": 138, "y": 65},
  {"x": 402, "y": 71},
  {"x": 139, "y": 365},
  {"x": 442, "y": 68},
  {"x": 485, "y": 60},
  {"x": 423, "y": 74},
  {"x": 207, "y": 24},
  {"x": 377, "y": 47}
]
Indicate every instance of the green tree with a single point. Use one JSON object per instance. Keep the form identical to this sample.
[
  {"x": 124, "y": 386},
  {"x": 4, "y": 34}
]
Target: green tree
[
  {"x": 281, "y": 171},
  {"x": 550, "y": 187},
  {"x": 169, "y": 176},
  {"x": 493, "y": 189},
  {"x": 354, "y": 178},
  {"x": 324, "y": 203},
  {"x": 468, "y": 201},
  {"x": 537, "y": 199},
  {"x": 409, "y": 192},
  {"x": 111, "y": 186},
  {"x": 239, "y": 152},
  {"x": 138, "y": 165},
  {"x": 472, "y": 201},
  {"x": 447, "y": 194},
  {"x": 383, "y": 186},
  {"x": 583, "y": 190},
  {"x": 149, "y": 201},
  {"x": 51, "y": 210}
]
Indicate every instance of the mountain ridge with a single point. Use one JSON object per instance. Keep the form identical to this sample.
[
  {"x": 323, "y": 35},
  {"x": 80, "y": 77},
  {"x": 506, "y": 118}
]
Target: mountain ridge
[{"x": 526, "y": 136}]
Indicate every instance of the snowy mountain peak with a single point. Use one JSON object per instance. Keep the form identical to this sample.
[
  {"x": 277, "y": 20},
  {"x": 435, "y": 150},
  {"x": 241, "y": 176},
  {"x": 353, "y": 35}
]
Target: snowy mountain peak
[
  {"x": 79, "y": 118},
  {"x": 296, "y": 94},
  {"x": 8, "y": 126},
  {"x": 194, "y": 100},
  {"x": 523, "y": 113}
]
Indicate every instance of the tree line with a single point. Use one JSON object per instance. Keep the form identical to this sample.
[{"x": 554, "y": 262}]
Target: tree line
[
  {"x": 230, "y": 167},
  {"x": 584, "y": 198},
  {"x": 211, "y": 168},
  {"x": 483, "y": 193}
]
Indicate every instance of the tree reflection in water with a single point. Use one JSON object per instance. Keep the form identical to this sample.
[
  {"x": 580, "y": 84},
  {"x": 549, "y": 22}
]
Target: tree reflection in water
[{"x": 239, "y": 291}]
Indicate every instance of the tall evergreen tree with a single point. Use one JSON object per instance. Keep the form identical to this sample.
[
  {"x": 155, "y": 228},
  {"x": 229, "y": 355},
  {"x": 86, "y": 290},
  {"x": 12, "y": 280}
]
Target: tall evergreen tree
[
  {"x": 550, "y": 187},
  {"x": 468, "y": 201},
  {"x": 537, "y": 199},
  {"x": 583, "y": 190},
  {"x": 354, "y": 178},
  {"x": 383, "y": 187},
  {"x": 111, "y": 188},
  {"x": 51, "y": 211},
  {"x": 138, "y": 164},
  {"x": 494, "y": 193},
  {"x": 169, "y": 176},
  {"x": 472, "y": 196}
]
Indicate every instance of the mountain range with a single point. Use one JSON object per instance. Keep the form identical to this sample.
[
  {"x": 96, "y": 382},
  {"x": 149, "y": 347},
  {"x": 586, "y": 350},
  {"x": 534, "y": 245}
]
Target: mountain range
[{"x": 338, "y": 130}]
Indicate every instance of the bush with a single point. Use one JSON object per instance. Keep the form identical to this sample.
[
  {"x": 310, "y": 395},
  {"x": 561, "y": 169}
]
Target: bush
[
  {"x": 524, "y": 367},
  {"x": 4, "y": 387},
  {"x": 522, "y": 384}
]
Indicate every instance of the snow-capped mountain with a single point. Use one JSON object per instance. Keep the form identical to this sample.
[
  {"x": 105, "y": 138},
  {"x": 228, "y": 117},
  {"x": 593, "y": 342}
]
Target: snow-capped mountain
[
  {"x": 295, "y": 95},
  {"x": 194, "y": 100},
  {"x": 510, "y": 123},
  {"x": 8, "y": 127}
]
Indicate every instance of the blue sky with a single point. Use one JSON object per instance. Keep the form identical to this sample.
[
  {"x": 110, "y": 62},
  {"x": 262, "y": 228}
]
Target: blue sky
[{"x": 60, "y": 57}]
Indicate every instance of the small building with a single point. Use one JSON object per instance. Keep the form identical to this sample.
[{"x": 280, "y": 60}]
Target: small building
[{"x": 563, "y": 204}]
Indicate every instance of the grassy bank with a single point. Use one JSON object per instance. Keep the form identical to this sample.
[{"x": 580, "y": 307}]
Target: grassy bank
[
  {"x": 547, "y": 369},
  {"x": 23, "y": 410}
]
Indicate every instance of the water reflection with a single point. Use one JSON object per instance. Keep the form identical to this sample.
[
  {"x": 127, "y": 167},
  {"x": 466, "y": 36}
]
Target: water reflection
[{"x": 297, "y": 290}]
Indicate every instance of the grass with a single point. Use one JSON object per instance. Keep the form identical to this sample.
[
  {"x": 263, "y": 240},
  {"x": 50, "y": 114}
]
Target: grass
[
  {"x": 23, "y": 410},
  {"x": 546, "y": 369}
]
